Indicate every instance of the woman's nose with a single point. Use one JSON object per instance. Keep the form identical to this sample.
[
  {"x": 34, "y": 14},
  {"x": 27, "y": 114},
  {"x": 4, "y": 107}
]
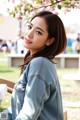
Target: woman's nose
[{"x": 30, "y": 33}]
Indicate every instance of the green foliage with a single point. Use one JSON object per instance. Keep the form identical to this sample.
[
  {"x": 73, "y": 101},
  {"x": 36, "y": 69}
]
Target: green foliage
[{"x": 59, "y": 6}]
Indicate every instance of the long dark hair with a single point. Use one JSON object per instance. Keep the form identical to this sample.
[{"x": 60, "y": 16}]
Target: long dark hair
[{"x": 56, "y": 30}]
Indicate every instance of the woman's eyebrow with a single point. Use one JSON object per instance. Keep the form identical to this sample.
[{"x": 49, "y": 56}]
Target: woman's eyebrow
[{"x": 38, "y": 28}]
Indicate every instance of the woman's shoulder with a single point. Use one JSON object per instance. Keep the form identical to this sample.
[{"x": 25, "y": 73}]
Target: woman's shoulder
[
  {"x": 35, "y": 65},
  {"x": 39, "y": 60}
]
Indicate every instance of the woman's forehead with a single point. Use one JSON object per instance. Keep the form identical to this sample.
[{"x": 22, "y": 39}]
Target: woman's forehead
[{"x": 39, "y": 22}]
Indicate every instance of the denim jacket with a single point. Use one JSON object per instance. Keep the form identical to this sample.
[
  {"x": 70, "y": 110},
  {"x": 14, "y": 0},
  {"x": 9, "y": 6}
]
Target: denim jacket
[{"x": 37, "y": 94}]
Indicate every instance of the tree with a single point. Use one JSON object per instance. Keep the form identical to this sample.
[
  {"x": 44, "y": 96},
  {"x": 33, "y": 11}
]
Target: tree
[{"x": 25, "y": 8}]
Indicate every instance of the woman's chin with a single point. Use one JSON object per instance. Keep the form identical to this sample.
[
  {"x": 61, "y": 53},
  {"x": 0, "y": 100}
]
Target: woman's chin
[{"x": 26, "y": 46}]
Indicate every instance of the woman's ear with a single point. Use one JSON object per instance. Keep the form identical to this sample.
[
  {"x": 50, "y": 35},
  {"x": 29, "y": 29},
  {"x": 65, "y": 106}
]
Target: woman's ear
[{"x": 49, "y": 41}]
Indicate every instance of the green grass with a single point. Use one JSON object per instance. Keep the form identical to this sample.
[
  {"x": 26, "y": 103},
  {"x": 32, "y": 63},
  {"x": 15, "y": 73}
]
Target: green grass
[{"x": 7, "y": 72}]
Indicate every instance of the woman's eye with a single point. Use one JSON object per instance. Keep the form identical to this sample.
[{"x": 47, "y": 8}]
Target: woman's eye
[
  {"x": 29, "y": 27},
  {"x": 38, "y": 32}
]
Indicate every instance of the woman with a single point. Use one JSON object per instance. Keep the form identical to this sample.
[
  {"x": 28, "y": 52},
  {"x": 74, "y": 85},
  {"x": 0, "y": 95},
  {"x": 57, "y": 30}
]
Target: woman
[{"x": 37, "y": 94}]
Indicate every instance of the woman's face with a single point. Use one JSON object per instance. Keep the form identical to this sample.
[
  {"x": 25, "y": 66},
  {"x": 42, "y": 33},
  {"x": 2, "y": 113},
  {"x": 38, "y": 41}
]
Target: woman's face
[{"x": 36, "y": 37}]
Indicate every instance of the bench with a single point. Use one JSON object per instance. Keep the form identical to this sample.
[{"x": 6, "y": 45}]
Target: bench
[
  {"x": 65, "y": 115},
  {"x": 9, "y": 84},
  {"x": 62, "y": 60},
  {"x": 68, "y": 61}
]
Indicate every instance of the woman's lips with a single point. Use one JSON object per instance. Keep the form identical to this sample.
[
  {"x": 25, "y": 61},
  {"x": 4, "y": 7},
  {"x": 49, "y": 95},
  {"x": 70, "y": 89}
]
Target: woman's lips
[{"x": 27, "y": 41}]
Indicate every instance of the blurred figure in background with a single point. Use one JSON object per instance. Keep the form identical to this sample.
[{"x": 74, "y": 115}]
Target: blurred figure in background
[
  {"x": 0, "y": 44},
  {"x": 4, "y": 46},
  {"x": 78, "y": 43},
  {"x": 19, "y": 46},
  {"x": 10, "y": 46}
]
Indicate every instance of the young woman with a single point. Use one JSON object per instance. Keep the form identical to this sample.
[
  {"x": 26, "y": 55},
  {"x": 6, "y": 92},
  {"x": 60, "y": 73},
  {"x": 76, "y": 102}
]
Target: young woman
[{"x": 37, "y": 94}]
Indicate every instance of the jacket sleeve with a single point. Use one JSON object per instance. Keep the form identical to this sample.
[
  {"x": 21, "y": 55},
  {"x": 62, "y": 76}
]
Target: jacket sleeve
[{"x": 35, "y": 95}]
